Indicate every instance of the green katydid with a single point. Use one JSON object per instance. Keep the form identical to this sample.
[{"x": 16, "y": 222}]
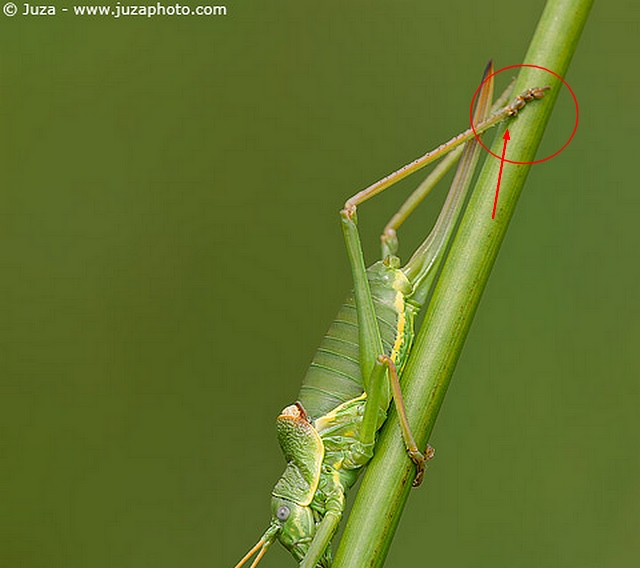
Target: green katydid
[{"x": 329, "y": 434}]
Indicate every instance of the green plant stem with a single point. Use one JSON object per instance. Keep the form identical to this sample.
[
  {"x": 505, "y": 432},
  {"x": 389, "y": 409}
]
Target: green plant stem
[{"x": 387, "y": 482}]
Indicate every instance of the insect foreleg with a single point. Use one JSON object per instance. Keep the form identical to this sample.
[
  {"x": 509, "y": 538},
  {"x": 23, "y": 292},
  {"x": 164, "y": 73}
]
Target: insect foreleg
[{"x": 323, "y": 536}]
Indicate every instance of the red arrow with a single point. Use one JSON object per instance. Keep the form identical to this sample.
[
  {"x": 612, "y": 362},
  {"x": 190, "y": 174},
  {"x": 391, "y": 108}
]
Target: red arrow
[{"x": 506, "y": 139}]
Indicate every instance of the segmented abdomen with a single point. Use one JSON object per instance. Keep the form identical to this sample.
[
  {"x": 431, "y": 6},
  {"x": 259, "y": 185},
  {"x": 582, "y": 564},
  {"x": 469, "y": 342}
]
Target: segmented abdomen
[{"x": 334, "y": 374}]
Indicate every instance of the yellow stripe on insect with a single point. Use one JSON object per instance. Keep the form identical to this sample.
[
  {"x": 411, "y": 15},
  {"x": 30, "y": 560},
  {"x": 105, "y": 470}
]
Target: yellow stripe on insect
[{"x": 398, "y": 303}]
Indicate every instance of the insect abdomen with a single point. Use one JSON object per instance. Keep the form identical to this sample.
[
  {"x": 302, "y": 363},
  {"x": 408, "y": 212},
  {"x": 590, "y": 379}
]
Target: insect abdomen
[{"x": 334, "y": 375}]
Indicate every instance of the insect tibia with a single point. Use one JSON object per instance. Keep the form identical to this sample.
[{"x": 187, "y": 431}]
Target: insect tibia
[{"x": 525, "y": 97}]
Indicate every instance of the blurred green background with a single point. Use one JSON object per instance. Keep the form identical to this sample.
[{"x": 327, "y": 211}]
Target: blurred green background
[{"x": 171, "y": 255}]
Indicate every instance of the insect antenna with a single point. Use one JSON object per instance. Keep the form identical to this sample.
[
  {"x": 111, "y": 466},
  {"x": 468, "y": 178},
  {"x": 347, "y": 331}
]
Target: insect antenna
[{"x": 262, "y": 545}]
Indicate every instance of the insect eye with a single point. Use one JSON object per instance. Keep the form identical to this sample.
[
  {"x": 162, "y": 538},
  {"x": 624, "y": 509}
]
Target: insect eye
[{"x": 283, "y": 513}]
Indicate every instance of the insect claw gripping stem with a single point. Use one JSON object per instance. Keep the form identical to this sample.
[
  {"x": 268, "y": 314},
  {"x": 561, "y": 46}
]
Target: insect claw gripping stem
[
  {"x": 420, "y": 459},
  {"x": 416, "y": 456},
  {"x": 525, "y": 97}
]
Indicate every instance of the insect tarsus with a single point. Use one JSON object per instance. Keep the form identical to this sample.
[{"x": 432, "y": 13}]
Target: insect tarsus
[{"x": 525, "y": 97}]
